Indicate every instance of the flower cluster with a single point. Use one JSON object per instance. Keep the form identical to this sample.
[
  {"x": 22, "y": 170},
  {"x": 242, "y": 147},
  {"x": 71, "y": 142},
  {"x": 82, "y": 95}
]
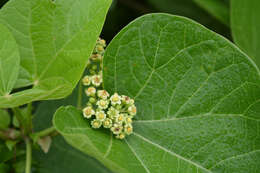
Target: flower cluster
[
  {"x": 112, "y": 112},
  {"x": 94, "y": 65}
]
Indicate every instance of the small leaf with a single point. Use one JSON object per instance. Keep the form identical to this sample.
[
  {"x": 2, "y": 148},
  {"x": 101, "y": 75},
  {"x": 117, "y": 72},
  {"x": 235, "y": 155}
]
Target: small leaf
[
  {"x": 197, "y": 99},
  {"x": 4, "y": 119},
  {"x": 245, "y": 26},
  {"x": 9, "y": 61},
  {"x": 15, "y": 122},
  {"x": 55, "y": 39},
  {"x": 10, "y": 144},
  {"x": 45, "y": 143}
]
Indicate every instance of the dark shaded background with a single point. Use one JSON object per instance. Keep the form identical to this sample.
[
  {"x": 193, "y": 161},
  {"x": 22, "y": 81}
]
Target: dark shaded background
[{"x": 124, "y": 11}]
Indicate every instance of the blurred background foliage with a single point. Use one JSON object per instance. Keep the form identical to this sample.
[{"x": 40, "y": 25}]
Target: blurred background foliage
[{"x": 124, "y": 11}]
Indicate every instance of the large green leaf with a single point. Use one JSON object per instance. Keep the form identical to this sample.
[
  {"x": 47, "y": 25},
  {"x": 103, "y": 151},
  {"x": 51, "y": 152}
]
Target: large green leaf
[
  {"x": 197, "y": 95},
  {"x": 55, "y": 39},
  {"x": 245, "y": 25},
  {"x": 65, "y": 158},
  {"x": 218, "y": 8},
  {"x": 9, "y": 61}
]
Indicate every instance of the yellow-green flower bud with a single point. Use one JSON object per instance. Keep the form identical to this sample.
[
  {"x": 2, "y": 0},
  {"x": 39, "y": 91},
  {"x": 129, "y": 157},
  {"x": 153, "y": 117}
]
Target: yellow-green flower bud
[
  {"x": 120, "y": 118},
  {"x": 117, "y": 128},
  {"x": 93, "y": 72},
  {"x": 103, "y": 104},
  {"x": 132, "y": 110},
  {"x": 99, "y": 49},
  {"x": 94, "y": 67},
  {"x": 96, "y": 80},
  {"x": 107, "y": 123},
  {"x": 115, "y": 99},
  {"x": 100, "y": 115},
  {"x": 103, "y": 94},
  {"x": 112, "y": 113},
  {"x": 119, "y": 107},
  {"x": 128, "y": 129},
  {"x": 91, "y": 91},
  {"x": 92, "y": 100},
  {"x": 128, "y": 120},
  {"x": 120, "y": 136},
  {"x": 96, "y": 123},
  {"x": 125, "y": 99},
  {"x": 88, "y": 112},
  {"x": 86, "y": 80}
]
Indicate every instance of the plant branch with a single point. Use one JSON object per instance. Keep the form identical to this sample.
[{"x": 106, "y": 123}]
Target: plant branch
[
  {"x": 45, "y": 132},
  {"x": 28, "y": 155}
]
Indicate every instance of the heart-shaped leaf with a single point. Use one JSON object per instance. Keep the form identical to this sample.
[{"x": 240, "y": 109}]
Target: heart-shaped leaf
[
  {"x": 9, "y": 61},
  {"x": 197, "y": 97},
  {"x": 245, "y": 25},
  {"x": 55, "y": 39}
]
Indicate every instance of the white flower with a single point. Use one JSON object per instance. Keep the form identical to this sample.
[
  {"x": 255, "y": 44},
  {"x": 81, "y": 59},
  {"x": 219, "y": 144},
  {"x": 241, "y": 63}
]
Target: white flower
[
  {"x": 99, "y": 49},
  {"x": 107, "y": 123},
  {"x": 115, "y": 99},
  {"x": 131, "y": 102},
  {"x": 103, "y": 104},
  {"x": 103, "y": 94},
  {"x": 101, "y": 42},
  {"x": 86, "y": 80},
  {"x": 128, "y": 129},
  {"x": 120, "y": 136},
  {"x": 88, "y": 112},
  {"x": 95, "y": 57},
  {"x": 96, "y": 80},
  {"x": 125, "y": 99},
  {"x": 117, "y": 128},
  {"x": 128, "y": 120},
  {"x": 120, "y": 118},
  {"x": 112, "y": 113},
  {"x": 132, "y": 110},
  {"x": 100, "y": 115},
  {"x": 91, "y": 91},
  {"x": 96, "y": 123}
]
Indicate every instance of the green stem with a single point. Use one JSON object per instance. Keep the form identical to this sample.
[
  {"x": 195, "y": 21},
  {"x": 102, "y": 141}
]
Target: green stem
[
  {"x": 28, "y": 155},
  {"x": 18, "y": 114},
  {"x": 79, "y": 102},
  {"x": 29, "y": 108},
  {"x": 45, "y": 132},
  {"x": 29, "y": 117}
]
